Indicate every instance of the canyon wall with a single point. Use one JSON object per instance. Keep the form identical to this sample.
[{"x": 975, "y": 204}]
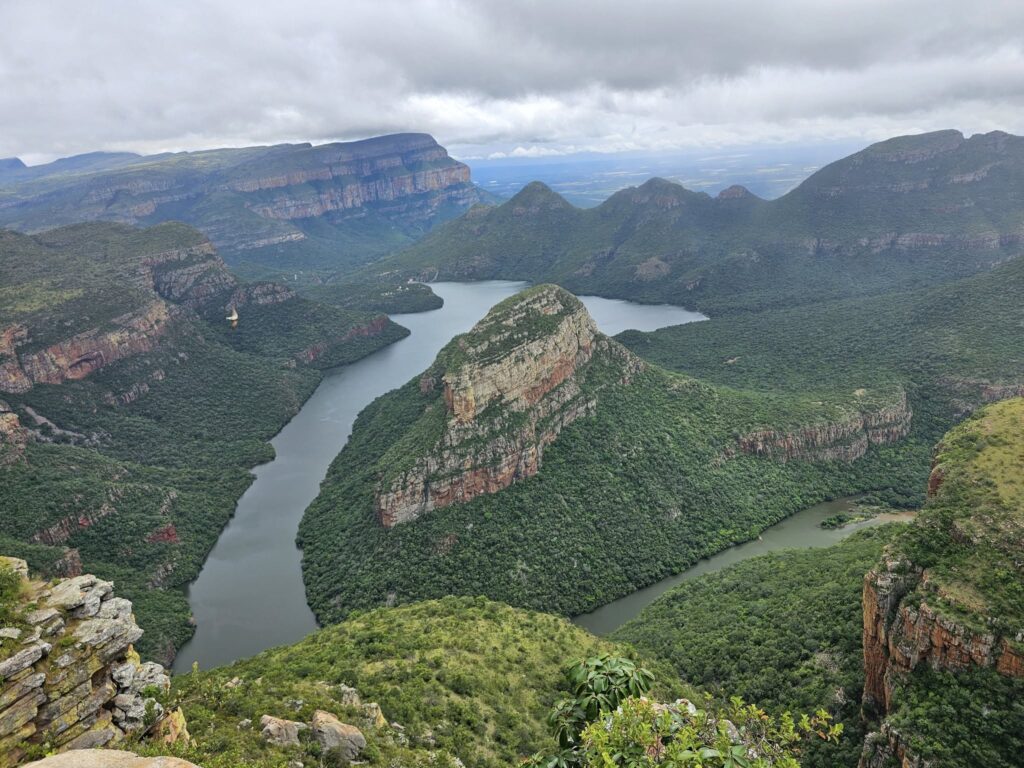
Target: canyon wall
[
  {"x": 513, "y": 387},
  {"x": 847, "y": 439},
  {"x": 69, "y": 676},
  {"x": 245, "y": 199},
  {"x": 949, "y": 616}
]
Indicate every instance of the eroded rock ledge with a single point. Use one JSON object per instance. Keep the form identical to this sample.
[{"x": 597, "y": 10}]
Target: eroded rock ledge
[
  {"x": 69, "y": 676},
  {"x": 844, "y": 440},
  {"x": 508, "y": 387}
]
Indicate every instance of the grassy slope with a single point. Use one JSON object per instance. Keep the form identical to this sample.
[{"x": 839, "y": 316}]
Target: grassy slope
[
  {"x": 179, "y": 454},
  {"x": 783, "y": 630},
  {"x": 476, "y": 677},
  {"x": 827, "y": 239}
]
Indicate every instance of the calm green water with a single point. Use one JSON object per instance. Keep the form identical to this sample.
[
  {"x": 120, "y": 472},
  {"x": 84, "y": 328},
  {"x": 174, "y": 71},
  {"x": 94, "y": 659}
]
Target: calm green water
[
  {"x": 797, "y": 531},
  {"x": 249, "y": 595}
]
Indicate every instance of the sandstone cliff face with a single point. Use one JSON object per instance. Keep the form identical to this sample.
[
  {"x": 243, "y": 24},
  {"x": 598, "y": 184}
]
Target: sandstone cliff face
[
  {"x": 77, "y": 357},
  {"x": 244, "y": 199},
  {"x": 939, "y": 616},
  {"x": 845, "y": 440},
  {"x": 513, "y": 390},
  {"x": 69, "y": 678},
  {"x": 13, "y": 436}
]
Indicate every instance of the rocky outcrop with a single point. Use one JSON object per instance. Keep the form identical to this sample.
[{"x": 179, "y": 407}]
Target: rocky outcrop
[
  {"x": 507, "y": 388},
  {"x": 79, "y": 356},
  {"x": 69, "y": 677},
  {"x": 948, "y": 616},
  {"x": 331, "y": 733},
  {"x": 281, "y": 732},
  {"x": 13, "y": 436},
  {"x": 191, "y": 276},
  {"x": 844, "y": 440}
]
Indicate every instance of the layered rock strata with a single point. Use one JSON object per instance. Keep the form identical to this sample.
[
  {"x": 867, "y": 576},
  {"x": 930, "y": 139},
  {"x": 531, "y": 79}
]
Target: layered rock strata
[
  {"x": 944, "y": 616},
  {"x": 844, "y": 440},
  {"x": 507, "y": 388},
  {"x": 69, "y": 676}
]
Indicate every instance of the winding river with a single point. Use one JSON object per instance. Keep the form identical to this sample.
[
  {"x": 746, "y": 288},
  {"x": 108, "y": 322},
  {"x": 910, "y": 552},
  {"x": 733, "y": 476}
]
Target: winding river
[
  {"x": 797, "y": 531},
  {"x": 249, "y": 595}
]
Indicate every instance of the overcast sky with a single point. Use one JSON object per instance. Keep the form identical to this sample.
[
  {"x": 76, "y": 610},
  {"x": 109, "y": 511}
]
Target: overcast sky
[{"x": 500, "y": 77}]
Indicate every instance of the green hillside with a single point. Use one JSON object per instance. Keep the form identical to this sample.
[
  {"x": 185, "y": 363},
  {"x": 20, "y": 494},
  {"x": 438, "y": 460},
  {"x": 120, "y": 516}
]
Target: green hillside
[
  {"x": 462, "y": 677},
  {"x": 783, "y": 629},
  {"x": 908, "y": 212}
]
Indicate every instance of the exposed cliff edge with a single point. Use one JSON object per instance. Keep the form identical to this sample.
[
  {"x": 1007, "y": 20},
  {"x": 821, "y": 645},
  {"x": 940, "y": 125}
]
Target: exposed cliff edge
[
  {"x": 846, "y": 439},
  {"x": 255, "y": 197},
  {"x": 944, "y": 597},
  {"x": 508, "y": 387},
  {"x": 69, "y": 676}
]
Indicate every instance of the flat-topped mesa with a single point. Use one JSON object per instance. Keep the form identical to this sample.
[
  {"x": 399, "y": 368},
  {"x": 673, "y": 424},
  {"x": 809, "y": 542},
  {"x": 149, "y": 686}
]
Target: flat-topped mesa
[{"x": 508, "y": 387}]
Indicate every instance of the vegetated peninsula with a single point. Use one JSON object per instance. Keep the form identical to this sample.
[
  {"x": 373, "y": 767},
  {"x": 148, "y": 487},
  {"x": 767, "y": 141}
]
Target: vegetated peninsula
[
  {"x": 275, "y": 209},
  {"x": 908, "y": 212},
  {"x": 131, "y": 411},
  {"x": 521, "y": 460}
]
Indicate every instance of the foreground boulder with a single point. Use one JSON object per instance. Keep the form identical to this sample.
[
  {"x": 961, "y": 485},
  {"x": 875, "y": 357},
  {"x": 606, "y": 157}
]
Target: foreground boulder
[
  {"x": 334, "y": 734},
  {"x": 108, "y": 758},
  {"x": 283, "y": 733}
]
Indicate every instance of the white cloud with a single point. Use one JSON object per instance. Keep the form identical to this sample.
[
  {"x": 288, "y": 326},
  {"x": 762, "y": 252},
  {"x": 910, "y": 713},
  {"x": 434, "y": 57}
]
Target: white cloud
[{"x": 520, "y": 77}]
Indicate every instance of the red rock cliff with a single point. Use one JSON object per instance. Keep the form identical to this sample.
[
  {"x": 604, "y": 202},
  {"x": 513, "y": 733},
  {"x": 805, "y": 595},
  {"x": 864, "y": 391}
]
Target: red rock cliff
[{"x": 514, "y": 390}]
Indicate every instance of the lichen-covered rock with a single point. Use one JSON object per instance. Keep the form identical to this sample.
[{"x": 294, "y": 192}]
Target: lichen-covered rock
[
  {"x": 283, "y": 733},
  {"x": 83, "y": 686},
  {"x": 331, "y": 733}
]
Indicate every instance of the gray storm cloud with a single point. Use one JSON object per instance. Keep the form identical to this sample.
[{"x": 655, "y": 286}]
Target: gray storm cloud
[{"x": 516, "y": 76}]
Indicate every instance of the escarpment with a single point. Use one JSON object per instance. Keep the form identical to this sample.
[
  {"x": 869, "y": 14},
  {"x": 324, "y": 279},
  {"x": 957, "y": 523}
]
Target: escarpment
[
  {"x": 942, "y": 599},
  {"x": 846, "y": 439},
  {"x": 69, "y": 676},
  {"x": 256, "y": 197},
  {"x": 506, "y": 389}
]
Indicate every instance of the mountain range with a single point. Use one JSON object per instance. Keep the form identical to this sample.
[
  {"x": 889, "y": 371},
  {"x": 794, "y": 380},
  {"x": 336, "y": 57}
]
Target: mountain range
[
  {"x": 904, "y": 213},
  {"x": 288, "y": 207}
]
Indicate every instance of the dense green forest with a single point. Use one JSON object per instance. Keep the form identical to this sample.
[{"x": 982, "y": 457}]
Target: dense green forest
[
  {"x": 904, "y": 213},
  {"x": 783, "y": 630},
  {"x": 656, "y": 465},
  {"x": 138, "y": 465}
]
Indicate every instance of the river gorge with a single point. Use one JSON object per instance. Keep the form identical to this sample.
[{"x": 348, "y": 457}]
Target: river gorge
[{"x": 250, "y": 595}]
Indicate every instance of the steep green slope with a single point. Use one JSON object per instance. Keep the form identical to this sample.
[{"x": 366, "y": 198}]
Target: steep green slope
[
  {"x": 132, "y": 412},
  {"x": 517, "y": 466},
  {"x": 944, "y": 609},
  {"x": 463, "y": 677},
  {"x": 783, "y": 630},
  {"x": 909, "y": 212}
]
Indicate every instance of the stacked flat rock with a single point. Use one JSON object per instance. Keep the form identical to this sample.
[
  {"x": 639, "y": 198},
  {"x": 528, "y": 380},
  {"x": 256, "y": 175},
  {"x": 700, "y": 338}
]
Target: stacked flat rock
[{"x": 69, "y": 676}]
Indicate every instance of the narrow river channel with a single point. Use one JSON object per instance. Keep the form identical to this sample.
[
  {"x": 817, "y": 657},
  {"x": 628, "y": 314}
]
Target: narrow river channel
[{"x": 249, "y": 595}]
